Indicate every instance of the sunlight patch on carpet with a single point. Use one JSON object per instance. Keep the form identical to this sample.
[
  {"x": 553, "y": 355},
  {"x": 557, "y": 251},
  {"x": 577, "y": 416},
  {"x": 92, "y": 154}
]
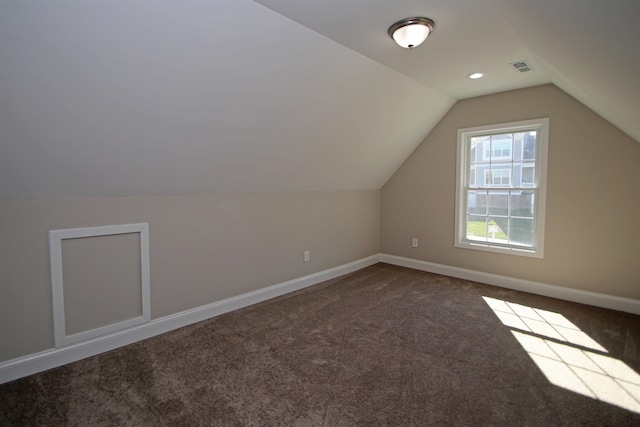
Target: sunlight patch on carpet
[{"x": 568, "y": 357}]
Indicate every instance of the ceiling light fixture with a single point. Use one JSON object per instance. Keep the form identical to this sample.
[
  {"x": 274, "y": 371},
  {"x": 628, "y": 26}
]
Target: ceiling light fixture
[
  {"x": 411, "y": 32},
  {"x": 476, "y": 75}
]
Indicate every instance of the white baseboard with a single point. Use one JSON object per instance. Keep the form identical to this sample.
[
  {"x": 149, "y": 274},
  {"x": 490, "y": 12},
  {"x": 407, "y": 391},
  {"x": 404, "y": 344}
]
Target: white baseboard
[
  {"x": 52, "y": 358},
  {"x": 575, "y": 295},
  {"x": 38, "y": 362}
]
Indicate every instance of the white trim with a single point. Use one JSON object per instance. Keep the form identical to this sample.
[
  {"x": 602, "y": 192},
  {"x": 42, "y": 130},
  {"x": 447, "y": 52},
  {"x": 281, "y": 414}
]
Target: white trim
[
  {"x": 38, "y": 362},
  {"x": 57, "y": 285},
  {"x": 575, "y": 295}
]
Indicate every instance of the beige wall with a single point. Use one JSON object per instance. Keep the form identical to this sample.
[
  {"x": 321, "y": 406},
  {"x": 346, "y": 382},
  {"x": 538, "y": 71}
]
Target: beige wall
[
  {"x": 202, "y": 248},
  {"x": 207, "y": 248},
  {"x": 593, "y": 196},
  {"x": 102, "y": 281}
]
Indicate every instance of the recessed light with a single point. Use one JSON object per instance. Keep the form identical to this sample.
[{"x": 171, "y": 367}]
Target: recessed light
[{"x": 476, "y": 75}]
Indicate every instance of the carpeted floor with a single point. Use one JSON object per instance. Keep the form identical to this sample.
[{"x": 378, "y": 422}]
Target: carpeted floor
[{"x": 382, "y": 346}]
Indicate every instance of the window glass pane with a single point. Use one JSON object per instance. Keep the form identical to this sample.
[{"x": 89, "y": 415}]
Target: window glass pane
[
  {"x": 504, "y": 178},
  {"x": 498, "y": 176},
  {"x": 477, "y": 202},
  {"x": 498, "y": 203},
  {"x": 522, "y": 203},
  {"x": 529, "y": 151},
  {"x": 521, "y": 231},
  {"x": 516, "y": 174},
  {"x": 476, "y": 148},
  {"x": 476, "y": 228},
  {"x": 518, "y": 141},
  {"x": 527, "y": 175},
  {"x": 497, "y": 228},
  {"x": 501, "y": 146}
]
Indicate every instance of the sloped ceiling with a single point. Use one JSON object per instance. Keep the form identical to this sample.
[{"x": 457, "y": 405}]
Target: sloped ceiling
[
  {"x": 588, "y": 48},
  {"x": 108, "y": 98},
  {"x": 121, "y": 97}
]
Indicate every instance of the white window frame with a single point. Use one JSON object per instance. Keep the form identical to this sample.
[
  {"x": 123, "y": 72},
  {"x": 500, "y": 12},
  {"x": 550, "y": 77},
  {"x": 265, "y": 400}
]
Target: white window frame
[{"x": 540, "y": 185}]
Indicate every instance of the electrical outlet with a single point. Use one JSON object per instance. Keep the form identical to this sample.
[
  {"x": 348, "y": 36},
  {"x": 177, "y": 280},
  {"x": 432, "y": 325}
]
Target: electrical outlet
[
  {"x": 414, "y": 243},
  {"x": 307, "y": 257}
]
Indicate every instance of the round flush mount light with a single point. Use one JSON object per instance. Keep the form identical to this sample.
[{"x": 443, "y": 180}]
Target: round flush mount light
[
  {"x": 474, "y": 76},
  {"x": 411, "y": 32}
]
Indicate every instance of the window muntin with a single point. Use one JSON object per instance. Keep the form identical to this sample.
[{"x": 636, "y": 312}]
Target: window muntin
[{"x": 501, "y": 187}]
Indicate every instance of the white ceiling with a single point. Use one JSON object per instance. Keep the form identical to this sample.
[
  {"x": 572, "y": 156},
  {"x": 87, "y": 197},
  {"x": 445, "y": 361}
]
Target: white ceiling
[
  {"x": 588, "y": 48},
  {"x": 120, "y": 97},
  {"x": 469, "y": 36}
]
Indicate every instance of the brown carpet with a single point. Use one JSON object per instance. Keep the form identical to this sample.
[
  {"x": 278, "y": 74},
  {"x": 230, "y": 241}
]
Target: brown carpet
[{"x": 382, "y": 346}]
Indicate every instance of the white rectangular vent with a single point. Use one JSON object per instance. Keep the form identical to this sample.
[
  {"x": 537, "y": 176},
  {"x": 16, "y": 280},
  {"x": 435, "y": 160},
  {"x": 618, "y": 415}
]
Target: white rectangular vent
[{"x": 521, "y": 66}]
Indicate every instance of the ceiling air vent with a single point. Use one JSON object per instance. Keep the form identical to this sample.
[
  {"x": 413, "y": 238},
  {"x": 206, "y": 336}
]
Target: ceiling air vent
[{"x": 522, "y": 66}]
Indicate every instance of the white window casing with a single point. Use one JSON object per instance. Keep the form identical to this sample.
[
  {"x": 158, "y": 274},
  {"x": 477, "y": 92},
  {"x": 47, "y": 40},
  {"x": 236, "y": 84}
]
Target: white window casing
[{"x": 498, "y": 208}]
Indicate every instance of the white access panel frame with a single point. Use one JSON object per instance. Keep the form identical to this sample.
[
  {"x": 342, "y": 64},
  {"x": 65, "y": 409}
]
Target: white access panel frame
[{"x": 57, "y": 284}]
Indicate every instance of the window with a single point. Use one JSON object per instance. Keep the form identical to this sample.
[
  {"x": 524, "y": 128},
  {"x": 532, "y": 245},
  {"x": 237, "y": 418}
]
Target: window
[
  {"x": 528, "y": 174},
  {"x": 501, "y": 186},
  {"x": 497, "y": 177},
  {"x": 497, "y": 146}
]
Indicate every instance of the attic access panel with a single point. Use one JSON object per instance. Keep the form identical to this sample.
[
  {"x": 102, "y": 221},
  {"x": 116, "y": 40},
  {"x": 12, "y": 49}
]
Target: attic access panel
[{"x": 106, "y": 274}]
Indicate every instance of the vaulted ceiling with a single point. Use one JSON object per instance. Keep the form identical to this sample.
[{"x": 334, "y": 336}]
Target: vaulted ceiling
[{"x": 122, "y": 97}]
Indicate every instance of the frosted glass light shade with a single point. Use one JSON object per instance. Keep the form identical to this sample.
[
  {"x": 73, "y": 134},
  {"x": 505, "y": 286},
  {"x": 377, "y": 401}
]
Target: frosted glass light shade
[
  {"x": 411, "y": 32},
  {"x": 411, "y": 36}
]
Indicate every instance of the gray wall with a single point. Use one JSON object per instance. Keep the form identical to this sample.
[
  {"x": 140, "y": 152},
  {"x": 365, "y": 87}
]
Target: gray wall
[
  {"x": 202, "y": 248},
  {"x": 593, "y": 196}
]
